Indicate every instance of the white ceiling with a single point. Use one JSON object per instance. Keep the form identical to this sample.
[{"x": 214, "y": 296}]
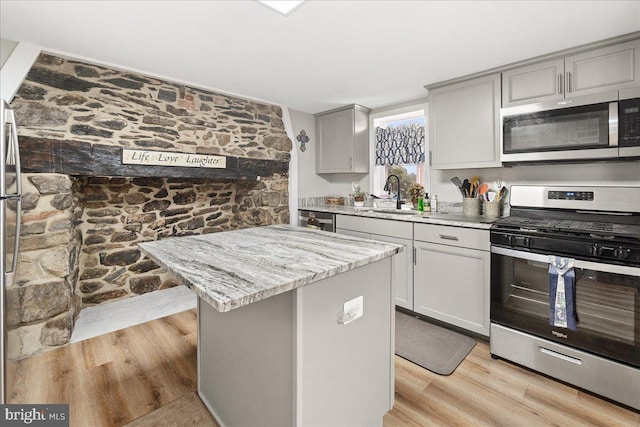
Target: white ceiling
[{"x": 325, "y": 54}]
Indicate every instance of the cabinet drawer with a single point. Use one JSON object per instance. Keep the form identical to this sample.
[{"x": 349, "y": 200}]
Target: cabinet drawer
[
  {"x": 453, "y": 236},
  {"x": 353, "y": 233},
  {"x": 384, "y": 227}
]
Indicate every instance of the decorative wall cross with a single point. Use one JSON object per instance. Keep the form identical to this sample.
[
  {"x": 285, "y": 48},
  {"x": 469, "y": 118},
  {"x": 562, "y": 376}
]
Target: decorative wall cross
[{"x": 303, "y": 139}]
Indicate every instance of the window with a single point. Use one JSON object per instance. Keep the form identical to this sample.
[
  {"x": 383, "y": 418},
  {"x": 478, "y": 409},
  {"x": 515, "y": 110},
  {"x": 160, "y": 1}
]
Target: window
[{"x": 400, "y": 150}]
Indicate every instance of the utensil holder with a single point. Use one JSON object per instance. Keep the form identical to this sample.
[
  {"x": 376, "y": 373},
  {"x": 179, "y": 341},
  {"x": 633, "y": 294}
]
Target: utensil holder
[
  {"x": 493, "y": 209},
  {"x": 471, "y": 206}
]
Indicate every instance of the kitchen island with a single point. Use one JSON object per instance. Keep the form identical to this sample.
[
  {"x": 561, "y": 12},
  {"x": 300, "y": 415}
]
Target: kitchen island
[{"x": 295, "y": 326}]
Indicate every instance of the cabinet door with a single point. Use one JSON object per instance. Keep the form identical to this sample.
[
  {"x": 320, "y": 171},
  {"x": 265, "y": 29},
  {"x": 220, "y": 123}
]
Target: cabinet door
[
  {"x": 608, "y": 68},
  {"x": 452, "y": 285},
  {"x": 334, "y": 150},
  {"x": 401, "y": 271},
  {"x": 535, "y": 83},
  {"x": 464, "y": 123}
]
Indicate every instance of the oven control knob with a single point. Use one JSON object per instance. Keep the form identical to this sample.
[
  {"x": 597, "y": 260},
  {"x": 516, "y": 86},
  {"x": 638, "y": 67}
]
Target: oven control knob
[
  {"x": 509, "y": 239},
  {"x": 621, "y": 253},
  {"x": 595, "y": 250},
  {"x": 527, "y": 242}
]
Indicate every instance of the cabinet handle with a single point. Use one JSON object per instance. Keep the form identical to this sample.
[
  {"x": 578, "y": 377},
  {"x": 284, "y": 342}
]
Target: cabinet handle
[
  {"x": 560, "y": 83},
  {"x": 560, "y": 356},
  {"x": 569, "y": 81},
  {"x": 415, "y": 255},
  {"x": 445, "y": 237}
]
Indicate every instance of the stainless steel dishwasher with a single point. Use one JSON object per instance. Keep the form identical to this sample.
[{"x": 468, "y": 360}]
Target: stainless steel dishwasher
[{"x": 327, "y": 220}]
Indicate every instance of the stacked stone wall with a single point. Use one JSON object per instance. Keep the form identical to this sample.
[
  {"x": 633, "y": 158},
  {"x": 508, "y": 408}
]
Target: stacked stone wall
[
  {"x": 119, "y": 213},
  {"x": 80, "y": 234},
  {"x": 68, "y": 100}
]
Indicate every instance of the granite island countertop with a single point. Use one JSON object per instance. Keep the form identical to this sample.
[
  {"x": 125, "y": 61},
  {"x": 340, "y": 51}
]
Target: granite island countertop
[
  {"x": 454, "y": 219},
  {"x": 231, "y": 269}
]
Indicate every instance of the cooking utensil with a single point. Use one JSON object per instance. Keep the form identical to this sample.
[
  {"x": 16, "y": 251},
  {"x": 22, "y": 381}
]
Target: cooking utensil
[
  {"x": 483, "y": 189},
  {"x": 475, "y": 183},
  {"x": 502, "y": 193},
  {"x": 456, "y": 181},
  {"x": 466, "y": 186}
]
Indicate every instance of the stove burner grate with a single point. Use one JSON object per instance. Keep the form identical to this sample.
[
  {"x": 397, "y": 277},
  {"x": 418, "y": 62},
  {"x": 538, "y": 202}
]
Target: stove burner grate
[{"x": 572, "y": 226}]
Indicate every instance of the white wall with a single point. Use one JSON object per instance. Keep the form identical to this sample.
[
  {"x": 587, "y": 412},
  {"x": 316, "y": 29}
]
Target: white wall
[
  {"x": 6, "y": 47},
  {"x": 309, "y": 183},
  {"x": 599, "y": 173}
]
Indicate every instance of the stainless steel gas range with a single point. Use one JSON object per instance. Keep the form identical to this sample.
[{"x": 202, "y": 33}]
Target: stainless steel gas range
[{"x": 565, "y": 286}]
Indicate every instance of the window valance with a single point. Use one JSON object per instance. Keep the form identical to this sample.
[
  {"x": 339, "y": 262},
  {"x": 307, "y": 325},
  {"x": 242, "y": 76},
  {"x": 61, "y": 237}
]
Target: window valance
[{"x": 400, "y": 145}]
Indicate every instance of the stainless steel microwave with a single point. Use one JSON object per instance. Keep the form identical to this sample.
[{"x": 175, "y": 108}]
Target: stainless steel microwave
[{"x": 580, "y": 128}]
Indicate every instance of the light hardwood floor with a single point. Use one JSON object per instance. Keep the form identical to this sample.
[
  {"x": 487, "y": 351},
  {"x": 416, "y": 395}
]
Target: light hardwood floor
[
  {"x": 145, "y": 376},
  {"x": 117, "y": 378}
]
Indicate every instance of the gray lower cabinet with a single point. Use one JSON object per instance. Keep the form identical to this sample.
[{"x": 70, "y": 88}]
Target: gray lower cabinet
[
  {"x": 443, "y": 271},
  {"x": 464, "y": 124},
  {"x": 398, "y": 232},
  {"x": 599, "y": 70},
  {"x": 452, "y": 275}
]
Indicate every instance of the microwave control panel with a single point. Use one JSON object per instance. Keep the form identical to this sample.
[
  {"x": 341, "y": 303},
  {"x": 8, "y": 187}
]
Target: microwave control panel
[{"x": 629, "y": 111}]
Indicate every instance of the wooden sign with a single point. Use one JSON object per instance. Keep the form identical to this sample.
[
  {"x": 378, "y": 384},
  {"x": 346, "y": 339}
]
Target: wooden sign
[{"x": 169, "y": 158}]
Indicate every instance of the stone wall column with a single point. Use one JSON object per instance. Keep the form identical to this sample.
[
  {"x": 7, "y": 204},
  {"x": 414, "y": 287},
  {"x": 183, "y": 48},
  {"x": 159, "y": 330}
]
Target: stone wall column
[{"x": 40, "y": 305}]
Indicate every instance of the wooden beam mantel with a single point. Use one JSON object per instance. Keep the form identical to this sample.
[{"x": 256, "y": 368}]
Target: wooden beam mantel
[{"x": 42, "y": 155}]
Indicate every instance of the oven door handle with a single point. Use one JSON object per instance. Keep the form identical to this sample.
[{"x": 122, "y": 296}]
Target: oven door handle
[{"x": 585, "y": 265}]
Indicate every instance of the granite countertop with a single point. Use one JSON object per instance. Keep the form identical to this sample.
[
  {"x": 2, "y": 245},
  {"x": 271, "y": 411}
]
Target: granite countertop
[
  {"x": 235, "y": 268},
  {"x": 455, "y": 219}
]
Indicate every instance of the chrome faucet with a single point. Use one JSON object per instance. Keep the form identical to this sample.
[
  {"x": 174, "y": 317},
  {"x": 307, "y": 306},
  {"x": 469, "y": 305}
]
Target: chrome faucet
[{"x": 387, "y": 187}]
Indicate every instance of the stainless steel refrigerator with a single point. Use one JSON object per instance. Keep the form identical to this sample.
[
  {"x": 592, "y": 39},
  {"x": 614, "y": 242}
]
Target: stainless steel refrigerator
[{"x": 10, "y": 206}]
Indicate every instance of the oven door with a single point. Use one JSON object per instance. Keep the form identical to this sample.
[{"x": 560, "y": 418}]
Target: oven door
[
  {"x": 572, "y": 129},
  {"x": 607, "y": 303}
]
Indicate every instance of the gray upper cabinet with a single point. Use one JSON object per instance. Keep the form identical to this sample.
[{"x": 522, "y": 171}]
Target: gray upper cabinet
[
  {"x": 343, "y": 140},
  {"x": 609, "y": 68},
  {"x": 599, "y": 70},
  {"x": 533, "y": 83},
  {"x": 464, "y": 124}
]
